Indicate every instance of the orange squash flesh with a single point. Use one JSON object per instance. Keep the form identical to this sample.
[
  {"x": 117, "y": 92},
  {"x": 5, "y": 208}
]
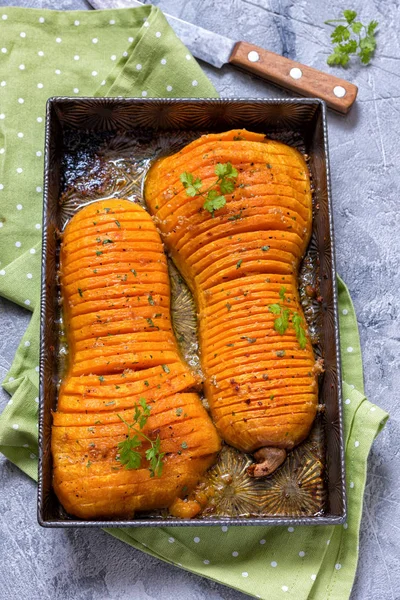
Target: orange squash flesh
[
  {"x": 260, "y": 385},
  {"x": 116, "y": 299}
]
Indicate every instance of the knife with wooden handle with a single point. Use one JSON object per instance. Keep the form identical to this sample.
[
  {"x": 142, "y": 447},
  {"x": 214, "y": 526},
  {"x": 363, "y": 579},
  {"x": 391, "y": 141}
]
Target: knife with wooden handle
[{"x": 218, "y": 50}]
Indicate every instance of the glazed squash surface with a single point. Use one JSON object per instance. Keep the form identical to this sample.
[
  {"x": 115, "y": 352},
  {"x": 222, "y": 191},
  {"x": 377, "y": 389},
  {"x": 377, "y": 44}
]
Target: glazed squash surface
[
  {"x": 260, "y": 384},
  {"x": 116, "y": 299}
]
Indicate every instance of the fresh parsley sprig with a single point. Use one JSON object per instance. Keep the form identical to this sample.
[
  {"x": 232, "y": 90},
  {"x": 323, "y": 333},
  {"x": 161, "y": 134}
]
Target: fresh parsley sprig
[
  {"x": 214, "y": 197},
  {"x": 283, "y": 315},
  {"x": 363, "y": 47},
  {"x": 281, "y": 323},
  {"x": 300, "y": 332},
  {"x": 128, "y": 454}
]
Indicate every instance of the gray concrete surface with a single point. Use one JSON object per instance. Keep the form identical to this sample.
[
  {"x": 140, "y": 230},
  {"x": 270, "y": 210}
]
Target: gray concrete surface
[{"x": 364, "y": 152}]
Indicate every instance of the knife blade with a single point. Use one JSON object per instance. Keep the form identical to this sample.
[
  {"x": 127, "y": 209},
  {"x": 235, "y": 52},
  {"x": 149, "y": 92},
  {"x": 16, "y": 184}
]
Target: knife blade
[{"x": 218, "y": 50}]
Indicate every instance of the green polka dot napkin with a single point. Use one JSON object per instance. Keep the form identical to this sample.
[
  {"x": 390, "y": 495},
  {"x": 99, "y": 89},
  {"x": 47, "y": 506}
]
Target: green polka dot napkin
[{"x": 133, "y": 52}]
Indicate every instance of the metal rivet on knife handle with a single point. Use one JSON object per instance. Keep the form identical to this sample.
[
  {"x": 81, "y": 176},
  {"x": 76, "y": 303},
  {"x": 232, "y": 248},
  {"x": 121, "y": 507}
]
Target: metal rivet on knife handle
[
  {"x": 253, "y": 56},
  {"x": 337, "y": 93},
  {"x": 295, "y": 73}
]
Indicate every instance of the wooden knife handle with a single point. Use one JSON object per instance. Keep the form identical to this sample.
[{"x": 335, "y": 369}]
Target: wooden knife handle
[{"x": 339, "y": 94}]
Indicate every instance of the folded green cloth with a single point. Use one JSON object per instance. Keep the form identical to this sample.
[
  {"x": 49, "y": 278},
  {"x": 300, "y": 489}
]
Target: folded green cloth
[{"x": 134, "y": 53}]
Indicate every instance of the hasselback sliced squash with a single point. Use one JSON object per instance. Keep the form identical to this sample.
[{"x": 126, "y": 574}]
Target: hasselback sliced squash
[
  {"x": 241, "y": 262},
  {"x": 122, "y": 352}
]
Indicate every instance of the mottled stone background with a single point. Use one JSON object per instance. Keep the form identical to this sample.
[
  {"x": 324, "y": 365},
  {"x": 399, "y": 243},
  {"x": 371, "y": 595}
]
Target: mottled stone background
[{"x": 88, "y": 564}]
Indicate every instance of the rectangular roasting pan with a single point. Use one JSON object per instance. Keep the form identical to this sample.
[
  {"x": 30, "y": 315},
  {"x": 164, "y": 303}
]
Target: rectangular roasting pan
[{"x": 297, "y": 121}]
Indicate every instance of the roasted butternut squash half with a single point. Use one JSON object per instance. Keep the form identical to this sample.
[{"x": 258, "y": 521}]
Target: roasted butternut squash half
[
  {"x": 130, "y": 432},
  {"x": 239, "y": 249}
]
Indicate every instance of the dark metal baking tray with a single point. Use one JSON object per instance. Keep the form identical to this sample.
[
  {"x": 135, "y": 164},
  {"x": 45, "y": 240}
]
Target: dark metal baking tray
[{"x": 77, "y": 128}]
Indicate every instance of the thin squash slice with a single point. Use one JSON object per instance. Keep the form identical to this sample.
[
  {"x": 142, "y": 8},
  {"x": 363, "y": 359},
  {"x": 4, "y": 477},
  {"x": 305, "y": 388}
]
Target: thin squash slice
[
  {"x": 241, "y": 262},
  {"x": 123, "y": 356}
]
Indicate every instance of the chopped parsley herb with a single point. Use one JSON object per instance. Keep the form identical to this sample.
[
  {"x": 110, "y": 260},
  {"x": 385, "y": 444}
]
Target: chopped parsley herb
[
  {"x": 299, "y": 330},
  {"x": 128, "y": 450},
  {"x": 239, "y": 263},
  {"x": 178, "y": 412},
  {"x": 166, "y": 368},
  {"x": 107, "y": 241},
  {"x": 282, "y": 293},
  {"x": 214, "y": 197},
  {"x": 235, "y": 217},
  {"x": 214, "y": 202},
  {"x": 281, "y": 323},
  {"x": 134, "y": 272},
  {"x": 109, "y": 403},
  {"x": 249, "y": 339},
  {"x": 265, "y": 248},
  {"x": 88, "y": 464},
  {"x": 184, "y": 445},
  {"x": 363, "y": 46},
  {"x": 228, "y": 306},
  {"x": 280, "y": 353},
  {"x": 150, "y": 300},
  {"x": 99, "y": 252},
  {"x": 101, "y": 378},
  {"x": 80, "y": 292},
  {"x": 118, "y": 223}
]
